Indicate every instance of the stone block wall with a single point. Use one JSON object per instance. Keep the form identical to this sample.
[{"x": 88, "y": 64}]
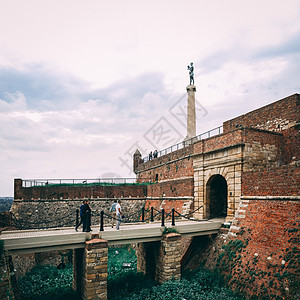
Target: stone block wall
[
  {"x": 168, "y": 264},
  {"x": 161, "y": 261},
  {"x": 45, "y": 213},
  {"x": 95, "y": 270}
]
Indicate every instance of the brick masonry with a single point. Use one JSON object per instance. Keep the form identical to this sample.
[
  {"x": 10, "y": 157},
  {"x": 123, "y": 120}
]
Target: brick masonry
[
  {"x": 95, "y": 270},
  {"x": 164, "y": 257},
  {"x": 267, "y": 262},
  {"x": 276, "y": 116}
]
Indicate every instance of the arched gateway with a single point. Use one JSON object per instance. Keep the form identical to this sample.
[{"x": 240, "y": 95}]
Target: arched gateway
[{"x": 216, "y": 196}]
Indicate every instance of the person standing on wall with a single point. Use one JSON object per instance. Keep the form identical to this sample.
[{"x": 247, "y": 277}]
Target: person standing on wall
[
  {"x": 87, "y": 212},
  {"x": 119, "y": 214},
  {"x": 113, "y": 213},
  {"x": 81, "y": 214}
]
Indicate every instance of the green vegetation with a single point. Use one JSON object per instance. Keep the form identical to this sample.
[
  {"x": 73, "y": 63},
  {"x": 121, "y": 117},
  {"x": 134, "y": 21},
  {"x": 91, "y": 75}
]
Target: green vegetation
[
  {"x": 130, "y": 285},
  {"x": 170, "y": 230},
  {"x": 117, "y": 257},
  {"x": 47, "y": 282}
]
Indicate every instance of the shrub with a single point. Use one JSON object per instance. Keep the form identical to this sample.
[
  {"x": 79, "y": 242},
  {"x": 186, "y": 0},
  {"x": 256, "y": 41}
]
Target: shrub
[
  {"x": 47, "y": 282},
  {"x": 170, "y": 230}
]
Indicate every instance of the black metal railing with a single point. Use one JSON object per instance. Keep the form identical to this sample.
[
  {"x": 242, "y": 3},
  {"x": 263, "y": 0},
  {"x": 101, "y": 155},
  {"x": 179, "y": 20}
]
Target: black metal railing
[
  {"x": 141, "y": 216},
  {"x": 213, "y": 132}
]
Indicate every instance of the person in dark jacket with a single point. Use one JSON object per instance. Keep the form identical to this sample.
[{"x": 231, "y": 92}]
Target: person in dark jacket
[
  {"x": 87, "y": 212},
  {"x": 80, "y": 214}
]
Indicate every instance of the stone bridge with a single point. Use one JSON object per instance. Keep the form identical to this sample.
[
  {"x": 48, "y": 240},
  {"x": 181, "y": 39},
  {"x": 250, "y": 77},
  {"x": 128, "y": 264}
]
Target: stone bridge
[{"x": 91, "y": 249}]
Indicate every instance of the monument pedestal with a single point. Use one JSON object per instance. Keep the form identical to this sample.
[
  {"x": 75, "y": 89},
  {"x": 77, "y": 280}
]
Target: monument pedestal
[{"x": 191, "y": 112}]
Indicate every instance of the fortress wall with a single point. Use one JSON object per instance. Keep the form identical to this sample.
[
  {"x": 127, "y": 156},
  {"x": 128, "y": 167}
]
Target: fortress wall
[
  {"x": 264, "y": 248},
  {"x": 46, "y": 213},
  {"x": 276, "y": 116},
  {"x": 263, "y": 149},
  {"x": 175, "y": 165},
  {"x": 217, "y": 142},
  {"x": 291, "y": 145},
  {"x": 172, "y": 188},
  {"x": 272, "y": 182},
  {"x": 77, "y": 191}
]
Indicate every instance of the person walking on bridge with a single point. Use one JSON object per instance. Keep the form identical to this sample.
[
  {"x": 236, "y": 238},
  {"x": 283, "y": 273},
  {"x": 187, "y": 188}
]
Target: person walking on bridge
[
  {"x": 81, "y": 214},
  {"x": 87, "y": 213},
  {"x": 119, "y": 214},
  {"x": 113, "y": 213}
]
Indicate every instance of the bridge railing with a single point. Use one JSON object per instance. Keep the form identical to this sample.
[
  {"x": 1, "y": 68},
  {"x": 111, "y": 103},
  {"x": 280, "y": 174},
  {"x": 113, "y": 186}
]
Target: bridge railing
[
  {"x": 153, "y": 214},
  {"x": 81, "y": 182},
  {"x": 141, "y": 216},
  {"x": 181, "y": 145}
]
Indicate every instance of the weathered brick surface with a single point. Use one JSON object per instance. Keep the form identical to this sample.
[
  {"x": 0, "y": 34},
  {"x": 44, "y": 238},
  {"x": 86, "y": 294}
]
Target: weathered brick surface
[
  {"x": 276, "y": 116},
  {"x": 291, "y": 145},
  {"x": 181, "y": 206},
  {"x": 267, "y": 262},
  {"x": 173, "y": 188},
  {"x": 272, "y": 182}
]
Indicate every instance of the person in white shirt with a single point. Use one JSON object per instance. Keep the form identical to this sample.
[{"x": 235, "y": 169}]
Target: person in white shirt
[
  {"x": 113, "y": 213},
  {"x": 119, "y": 214}
]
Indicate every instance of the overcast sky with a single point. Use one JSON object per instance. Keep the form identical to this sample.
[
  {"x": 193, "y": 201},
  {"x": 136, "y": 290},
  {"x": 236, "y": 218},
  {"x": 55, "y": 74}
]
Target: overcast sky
[{"x": 85, "y": 83}]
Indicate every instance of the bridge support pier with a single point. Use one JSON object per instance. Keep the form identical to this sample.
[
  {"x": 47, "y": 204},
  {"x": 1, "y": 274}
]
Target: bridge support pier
[
  {"x": 90, "y": 270},
  {"x": 160, "y": 260}
]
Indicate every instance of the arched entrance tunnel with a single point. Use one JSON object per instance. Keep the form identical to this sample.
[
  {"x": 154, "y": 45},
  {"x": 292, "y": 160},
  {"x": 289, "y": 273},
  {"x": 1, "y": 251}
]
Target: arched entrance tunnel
[{"x": 216, "y": 199}]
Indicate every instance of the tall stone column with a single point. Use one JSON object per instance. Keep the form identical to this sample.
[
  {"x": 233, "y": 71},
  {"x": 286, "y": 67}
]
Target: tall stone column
[{"x": 191, "y": 112}]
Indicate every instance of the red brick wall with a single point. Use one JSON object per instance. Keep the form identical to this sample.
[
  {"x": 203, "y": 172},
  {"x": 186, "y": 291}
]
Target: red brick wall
[
  {"x": 217, "y": 142},
  {"x": 174, "y": 165},
  {"x": 167, "y": 204},
  {"x": 274, "y": 117},
  {"x": 291, "y": 145},
  {"x": 262, "y": 137},
  {"x": 174, "y": 188},
  {"x": 284, "y": 181},
  {"x": 73, "y": 192},
  {"x": 266, "y": 261}
]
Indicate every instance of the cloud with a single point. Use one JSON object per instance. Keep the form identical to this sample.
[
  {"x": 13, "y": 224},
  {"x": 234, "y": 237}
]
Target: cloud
[{"x": 44, "y": 89}]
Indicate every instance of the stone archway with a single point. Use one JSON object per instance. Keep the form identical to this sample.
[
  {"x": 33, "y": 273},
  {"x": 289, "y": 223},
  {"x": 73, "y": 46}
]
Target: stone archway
[{"x": 216, "y": 197}]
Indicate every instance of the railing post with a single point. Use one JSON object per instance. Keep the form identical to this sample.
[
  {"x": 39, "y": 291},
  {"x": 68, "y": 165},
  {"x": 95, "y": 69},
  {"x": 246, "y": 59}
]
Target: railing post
[
  {"x": 101, "y": 220},
  {"x": 163, "y": 217},
  {"x": 173, "y": 216},
  {"x": 152, "y": 219},
  {"x": 143, "y": 214},
  {"x": 77, "y": 217}
]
